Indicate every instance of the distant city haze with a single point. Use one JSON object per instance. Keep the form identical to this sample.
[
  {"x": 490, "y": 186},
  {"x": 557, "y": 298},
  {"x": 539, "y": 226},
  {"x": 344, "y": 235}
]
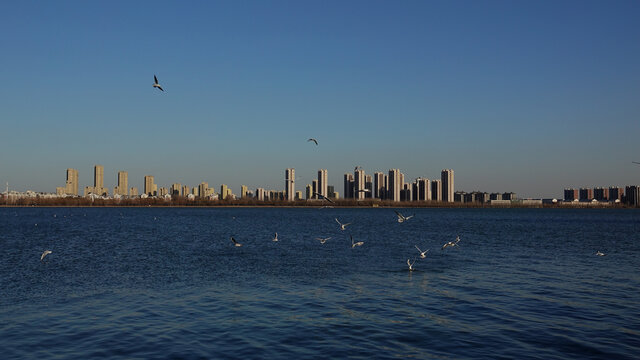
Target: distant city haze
[{"x": 524, "y": 97}]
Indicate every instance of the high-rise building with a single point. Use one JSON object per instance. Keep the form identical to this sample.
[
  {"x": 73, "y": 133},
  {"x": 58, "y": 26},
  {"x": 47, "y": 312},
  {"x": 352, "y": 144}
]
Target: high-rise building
[
  {"x": 421, "y": 190},
  {"x": 571, "y": 194},
  {"x": 176, "y": 190},
  {"x": 71, "y": 186},
  {"x": 395, "y": 184},
  {"x": 632, "y": 195},
  {"x": 314, "y": 188},
  {"x": 298, "y": 195},
  {"x": 615, "y": 193},
  {"x": 290, "y": 184},
  {"x": 348, "y": 186},
  {"x": 186, "y": 190},
  {"x": 586, "y": 194},
  {"x": 322, "y": 183},
  {"x": 309, "y": 192},
  {"x": 224, "y": 192},
  {"x": 260, "y": 194},
  {"x": 436, "y": 190},
  {"x": 123, "y": 184},
  {"x": 98, "y": 176},
  {"x": 203, "y": 189},
  {"x": 150, "y": 188},
  {"x": 368, "y": 185},
  {"x": 358, "y": 184},
  {"x": 379, "y": 190},
  {"x": 244, "y": 190},
  {"x": 133, "y": 191},
  {"x": 447, "y": 185}
]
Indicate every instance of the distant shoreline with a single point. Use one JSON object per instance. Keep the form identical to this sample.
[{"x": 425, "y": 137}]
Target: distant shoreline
[{"x": 200, "y": 203}]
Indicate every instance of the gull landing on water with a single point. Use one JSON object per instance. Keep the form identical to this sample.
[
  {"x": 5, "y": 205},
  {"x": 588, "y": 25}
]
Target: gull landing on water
[
  {"x": 402, "y": 218},
  {"x": 451, "y": 243},
  {"x": 235, "y": 242},
  {"x": 342, "y": 226},
  {"x": 411, "y": 264},
  {"x": 45, "y": 253},
  {"x": 359, "y": 243},
  {"x": 423, "y": 254},
  {"x": 155, "y": 83}
]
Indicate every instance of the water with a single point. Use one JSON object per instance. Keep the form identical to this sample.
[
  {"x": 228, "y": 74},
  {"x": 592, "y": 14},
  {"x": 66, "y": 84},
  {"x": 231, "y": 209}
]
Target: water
[{"x": 141, "y": 283}]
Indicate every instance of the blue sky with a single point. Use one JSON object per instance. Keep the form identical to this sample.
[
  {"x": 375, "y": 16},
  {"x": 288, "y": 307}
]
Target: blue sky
[{"x": 522, "y": 96}]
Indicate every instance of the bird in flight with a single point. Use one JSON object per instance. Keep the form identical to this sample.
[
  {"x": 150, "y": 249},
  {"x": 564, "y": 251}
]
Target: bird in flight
[
  {"x": 635, "y": 162},
  {"x": 323, "y": 240},
  {"x": 359, "y": 243},
  {"x": 320, "y": 196},
  {"x": 342, "y": 226},
  {"x": 423, "y": 254},
  {"x": 275, "y": 238},
  {"x": 600, "y": 253},
  {"x": 45, "y": 253},
  {"x": 364, "y": 190},
  {"x": 411, "y": 264},
  {"x": 235, "y": 242},
  {"x": 314, "y": 140},
  {"x": 402, "y": 218},
  {"x": 451, "y": 243},
  {"x": 155, "y": 83}
]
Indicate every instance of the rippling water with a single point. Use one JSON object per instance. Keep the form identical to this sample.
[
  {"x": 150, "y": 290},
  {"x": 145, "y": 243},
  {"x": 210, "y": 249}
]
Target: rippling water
[{"x": 168, "y": 283}]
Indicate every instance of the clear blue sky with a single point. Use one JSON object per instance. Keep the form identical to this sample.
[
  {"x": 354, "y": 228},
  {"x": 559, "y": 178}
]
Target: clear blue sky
[{"x": 522, "y": 96}]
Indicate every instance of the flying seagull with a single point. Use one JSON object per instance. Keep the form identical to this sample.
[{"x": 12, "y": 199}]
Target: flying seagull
[
  {"x": 402, "y": 218},
  {"x": 364, "y": 190},
  {"x": 359, "y": 243},
  {"x": 323, "y": 240},
  {"x": 155, "y": 83},
  {"x": 314, "y": 140},
  {"x": 600, "y": 253},
  {"x": 275, "y": 238},
  {"x": 45, "y": 253},
  {"x": 411, "y": 264},
  {"x": 635, "y": 162},
  {"x": 451, "y": 243},
  {"x": 320, "y": 196},
  {"x": 235, "y": 242},
  {"x": 423, "y": 254},
  {"x": 342, "y": 226}
]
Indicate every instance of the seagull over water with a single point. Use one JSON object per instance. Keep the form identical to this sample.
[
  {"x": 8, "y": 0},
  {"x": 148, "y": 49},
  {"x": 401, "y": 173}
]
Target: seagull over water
[
  {"x": 423, "y": 254},
  {"x": 342, "y": 226},
  {"x": 600, "y": 253},
  {"x": 45, "y": 253},
  {"x": 411, "y": 264},
  {"x": 451, "y": 243},
  {"x": 275, "y": 238},
  {"x": 359, "y": 243},
  {"x": 402, "y": 218},
  {"x": 235, "y": 242},
  {"x": 314, "y": 140},
  {"x": 155, "y": 83},
  {"x": 323, "y": 240},
  {"x": 320, "y": 196}
]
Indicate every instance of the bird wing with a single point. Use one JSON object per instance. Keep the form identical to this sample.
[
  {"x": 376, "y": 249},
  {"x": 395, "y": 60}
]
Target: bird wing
[
  {"x": 418, "y": 248},
  {"x": 347, "y": 224},
  {"x": 329, "y": 200},
  {"x": 155, "y": 79},
  {"x": 338, "y": 221},
  {"x": 160, "y": 87},
  {"x": 233, "y": 240},
  {"x": 314, "y": 140}
]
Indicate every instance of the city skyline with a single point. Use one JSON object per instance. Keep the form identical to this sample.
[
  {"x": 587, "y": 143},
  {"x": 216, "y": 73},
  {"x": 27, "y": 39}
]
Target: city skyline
[{"x": 513, "y": 96}]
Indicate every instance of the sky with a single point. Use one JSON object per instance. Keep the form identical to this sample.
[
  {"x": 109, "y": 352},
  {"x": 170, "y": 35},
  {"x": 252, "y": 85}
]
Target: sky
[{"x": 529, "y": 97}]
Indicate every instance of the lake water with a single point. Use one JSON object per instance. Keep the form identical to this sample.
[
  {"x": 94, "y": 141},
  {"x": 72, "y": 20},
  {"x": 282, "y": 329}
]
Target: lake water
[{"x": 142, "y": 283}]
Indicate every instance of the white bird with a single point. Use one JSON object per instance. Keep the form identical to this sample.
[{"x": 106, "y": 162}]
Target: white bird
[
  {"x": 314, "y": 140},
  {"x": 342, "y": 226},
  {"x": 320, "y": 196},
  {"x": 451, "y": 243},
  {"x": 600, "y": 253},
  {"x": 275, "y": 238},
  {"x": 402, "y": 218},
  {"x": 359, "y": 243},
  {"x": 423, "y": 254},
  {"x": 411, "y": 264},
  {"x": 364, "y": 190},
  {"x": 323, "y": 240},
  {"x": 235, "y": 242},
  {"x": 45, "y": 253},
  {"x": 155, "y": 83}
]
